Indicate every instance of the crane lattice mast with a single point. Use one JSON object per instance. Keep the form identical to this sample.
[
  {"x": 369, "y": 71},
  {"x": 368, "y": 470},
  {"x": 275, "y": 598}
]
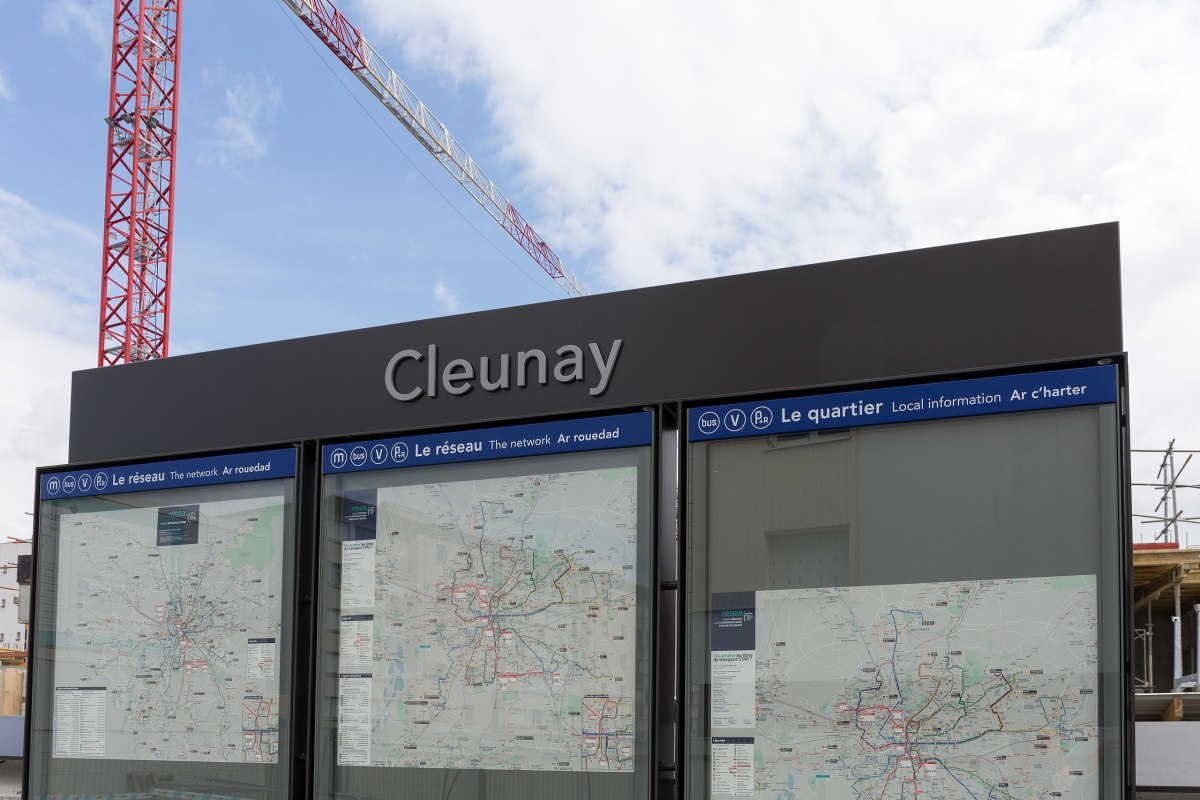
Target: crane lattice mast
[
  {"x": 346, "y": 42},
  {"x": 140, "y": 184}
]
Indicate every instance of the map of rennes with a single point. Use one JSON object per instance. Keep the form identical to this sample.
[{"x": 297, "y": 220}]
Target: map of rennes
[
  {"x": 971, "y": 690},
  {"x": 505, "y": 624},
  {"x": 169, "y": 626}
]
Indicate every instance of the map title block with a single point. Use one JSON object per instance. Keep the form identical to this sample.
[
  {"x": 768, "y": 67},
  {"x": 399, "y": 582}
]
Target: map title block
[
  {"x": 967, "y": 398},
  {"x": 210, "y": 470},
  {"x": 483, "y": 444}
]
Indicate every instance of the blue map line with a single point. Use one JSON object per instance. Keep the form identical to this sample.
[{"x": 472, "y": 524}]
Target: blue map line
[
  {"x": 896, "y": 645},
  {"x": 529, "y": 647}
]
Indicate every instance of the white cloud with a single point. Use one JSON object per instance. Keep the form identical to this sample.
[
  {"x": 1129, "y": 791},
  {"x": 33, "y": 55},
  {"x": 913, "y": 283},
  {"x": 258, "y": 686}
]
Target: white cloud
[
  {"x": 663, "y": 141},
  {"x": 1093, "y": 124},
  {"x": 48, "y": 322},
  {"x": 5, "y": 92},
  {"x": 446, "y": 298},
  {"x": 686, "y": 139},
  {"x": 71, "y": 18},
  {"x": 250, "y": 103}
]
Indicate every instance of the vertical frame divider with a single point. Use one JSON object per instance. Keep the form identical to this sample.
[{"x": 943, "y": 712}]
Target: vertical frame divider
[{"x": 302, "y": 725}]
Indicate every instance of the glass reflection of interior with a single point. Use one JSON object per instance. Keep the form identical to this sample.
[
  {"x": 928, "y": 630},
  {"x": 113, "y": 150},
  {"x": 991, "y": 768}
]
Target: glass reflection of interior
[{"x": 922, "y": 511}]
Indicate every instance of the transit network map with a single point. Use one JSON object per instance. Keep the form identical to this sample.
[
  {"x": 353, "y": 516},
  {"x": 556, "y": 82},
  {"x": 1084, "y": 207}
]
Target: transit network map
[
  {"x": 168, "y": 626},
  {"x": 504, "y": 624},
  {"x": 967, "y": 689}
]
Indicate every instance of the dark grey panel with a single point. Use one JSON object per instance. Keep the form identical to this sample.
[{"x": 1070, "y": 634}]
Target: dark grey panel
[
  {"x": 1003, "y": 496},
  {"x": 1040, "y": 297}
]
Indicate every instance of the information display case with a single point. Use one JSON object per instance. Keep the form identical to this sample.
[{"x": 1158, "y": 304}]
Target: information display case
[
  {"x": 161, "y": 631},
  {"x": 842, "y": 531},
  {"x": 908, "y": 591},
  {"x": 486, "y": 612}
]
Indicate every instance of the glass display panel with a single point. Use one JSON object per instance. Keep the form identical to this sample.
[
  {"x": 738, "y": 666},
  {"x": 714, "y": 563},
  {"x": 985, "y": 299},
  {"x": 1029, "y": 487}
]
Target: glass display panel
[
  {"x": 487, "y": 621},
  {"x": 161, "y": 658},
  {"x": 893, "y": 610}
]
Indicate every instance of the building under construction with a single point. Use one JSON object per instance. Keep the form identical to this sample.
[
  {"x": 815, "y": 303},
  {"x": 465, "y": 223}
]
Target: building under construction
[{"x": 1166, "y": 625}]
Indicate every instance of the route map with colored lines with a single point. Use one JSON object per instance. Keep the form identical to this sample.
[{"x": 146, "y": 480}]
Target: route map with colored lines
[
  {"x": 168, "y": 630},
  {"x": 974, "y": 690},
  {"x": 505, "y": 623}
]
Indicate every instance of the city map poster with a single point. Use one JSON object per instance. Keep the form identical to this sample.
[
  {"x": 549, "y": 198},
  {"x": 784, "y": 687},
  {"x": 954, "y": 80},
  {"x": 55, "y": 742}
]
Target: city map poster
[
  {"x": 168, "y": 632},
  {"x": 962, "y": 689},
  {"x": 491, "y": 623}
]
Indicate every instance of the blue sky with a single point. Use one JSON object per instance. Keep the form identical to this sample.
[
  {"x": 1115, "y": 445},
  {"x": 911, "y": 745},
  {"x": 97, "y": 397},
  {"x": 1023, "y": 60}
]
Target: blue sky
[
  {"x": 296, "y": 214},
  {"x": 647, "y": 142}
]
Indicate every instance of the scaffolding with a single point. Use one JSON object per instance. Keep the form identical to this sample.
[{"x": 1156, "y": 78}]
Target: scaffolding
[
  {"x": 1167, "y": 514},
  {"x": 1166, "y": 583}
]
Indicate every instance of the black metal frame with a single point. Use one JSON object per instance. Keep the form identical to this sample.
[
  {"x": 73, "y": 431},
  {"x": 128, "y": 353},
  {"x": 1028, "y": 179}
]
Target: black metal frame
[
  {"x": 1124, "y": 521},
  {"x": 655, "y": 656},
  {"x": 305, "y": 614},
  {"x": 666, "y": 773},
  {"x": 300, "y": 705}
]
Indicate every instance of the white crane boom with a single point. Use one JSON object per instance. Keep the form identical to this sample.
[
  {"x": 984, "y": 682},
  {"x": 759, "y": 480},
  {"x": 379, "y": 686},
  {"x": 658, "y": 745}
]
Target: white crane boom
[{"x": 346, "y": 42}]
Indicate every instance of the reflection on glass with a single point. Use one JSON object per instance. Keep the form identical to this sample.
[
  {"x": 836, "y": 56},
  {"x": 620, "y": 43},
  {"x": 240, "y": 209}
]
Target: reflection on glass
[{"x": 894, "y": 611}]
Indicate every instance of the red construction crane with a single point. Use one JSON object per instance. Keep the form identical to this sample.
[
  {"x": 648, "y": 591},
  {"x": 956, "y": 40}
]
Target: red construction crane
[
  {"x": 139, "y": 199},
  {"x": 139, "y": 196}
]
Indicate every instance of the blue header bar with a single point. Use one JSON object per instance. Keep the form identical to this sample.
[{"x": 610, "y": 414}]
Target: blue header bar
[
  {"x": 236, "y": 468},
  {"x": 969, "y": 398},
  {"x": 539, "y": 438}
]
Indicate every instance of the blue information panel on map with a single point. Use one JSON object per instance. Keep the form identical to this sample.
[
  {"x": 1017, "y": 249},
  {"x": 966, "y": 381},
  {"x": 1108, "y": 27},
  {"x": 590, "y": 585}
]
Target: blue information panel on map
[
  {"x": 539, "y": 438},
  {"x": 209, "y": 470},
  {"x": 967, "y": 398}
]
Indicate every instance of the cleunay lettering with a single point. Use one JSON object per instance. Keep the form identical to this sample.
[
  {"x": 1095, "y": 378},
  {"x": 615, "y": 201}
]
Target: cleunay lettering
[{"x": 406, "y": 382}]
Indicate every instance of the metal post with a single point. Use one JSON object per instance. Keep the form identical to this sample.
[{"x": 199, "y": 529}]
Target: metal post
[
  {"x": 1177, "y": 624},
  {"x": 1174, "y": 510},
  {"x": 1149, "y": 647},
  {"x": 1196, "y": 646}
]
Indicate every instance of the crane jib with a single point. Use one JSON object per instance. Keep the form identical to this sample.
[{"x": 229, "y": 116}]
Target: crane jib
[{"x": 350, "y": 47}]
